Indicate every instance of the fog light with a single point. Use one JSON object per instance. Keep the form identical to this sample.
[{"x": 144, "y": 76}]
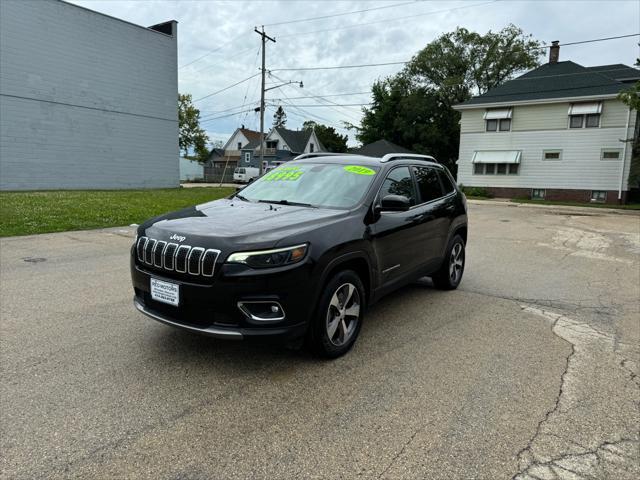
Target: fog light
[{"x": 262, "y": 310}]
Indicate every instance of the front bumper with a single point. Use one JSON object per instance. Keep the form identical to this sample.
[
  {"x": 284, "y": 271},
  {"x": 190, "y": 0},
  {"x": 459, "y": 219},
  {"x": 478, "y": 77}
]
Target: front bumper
[{"x": 211, "y": 307}]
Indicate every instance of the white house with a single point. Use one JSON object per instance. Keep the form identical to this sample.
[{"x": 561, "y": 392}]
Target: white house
[{"x": 557, "y": 132}]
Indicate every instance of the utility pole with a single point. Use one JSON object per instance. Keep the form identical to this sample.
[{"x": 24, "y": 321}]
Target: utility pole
[{"x": 265, "y": 37}]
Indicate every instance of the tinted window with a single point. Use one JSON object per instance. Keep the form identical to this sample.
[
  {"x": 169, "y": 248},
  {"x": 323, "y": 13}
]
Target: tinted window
[
  {"x": 399, "y": 182},
  {"x": 446, "y": 182},
  {"x": 428, "y": 184}
]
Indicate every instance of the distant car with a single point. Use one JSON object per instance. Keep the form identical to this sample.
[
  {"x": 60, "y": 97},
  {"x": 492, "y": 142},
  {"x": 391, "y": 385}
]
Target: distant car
[
  {"x": 245, "y": 174},
  {"x": 303, "y": 250}
]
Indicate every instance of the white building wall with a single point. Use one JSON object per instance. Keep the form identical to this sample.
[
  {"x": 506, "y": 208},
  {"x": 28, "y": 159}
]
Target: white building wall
[
  {"x": 86, "y": 100},
  {"x": 581, "y": 166}
]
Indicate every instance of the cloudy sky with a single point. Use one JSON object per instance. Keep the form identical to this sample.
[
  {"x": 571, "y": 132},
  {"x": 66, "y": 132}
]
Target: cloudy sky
[{"x": 218, "y": 47}]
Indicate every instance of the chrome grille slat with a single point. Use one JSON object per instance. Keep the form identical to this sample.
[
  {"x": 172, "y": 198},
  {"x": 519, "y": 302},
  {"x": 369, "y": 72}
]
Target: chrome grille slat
[
  {"x": 148, "y": 251},
  {"x": 170, "y": 255},
  {"x": 158, "y": 254},
  {"x": 142, "y": 243},
  {"x": 209, "y": 262},
  {"x": 193, "y": 260},
  {"x": 181, "y": 258},
  {"x": 175, "y": 257}
]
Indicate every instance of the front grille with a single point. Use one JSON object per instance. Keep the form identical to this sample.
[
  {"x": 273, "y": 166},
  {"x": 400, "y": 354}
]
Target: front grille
[{"x": 181, "y": 258}]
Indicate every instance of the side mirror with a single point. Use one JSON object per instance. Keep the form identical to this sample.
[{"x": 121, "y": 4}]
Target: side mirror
[{"x": 394, "y": 203}]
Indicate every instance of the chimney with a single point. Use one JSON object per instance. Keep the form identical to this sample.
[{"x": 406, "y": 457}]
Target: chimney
[{"x": 554, "y": 52}]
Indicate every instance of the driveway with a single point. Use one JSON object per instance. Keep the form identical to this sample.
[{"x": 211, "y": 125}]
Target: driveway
[{"x": 529, "y": 370}]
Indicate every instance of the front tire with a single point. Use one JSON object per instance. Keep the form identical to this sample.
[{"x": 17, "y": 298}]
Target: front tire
[
  {"x": 449, "y": 276},
  {"x": 338, "y": 319}
]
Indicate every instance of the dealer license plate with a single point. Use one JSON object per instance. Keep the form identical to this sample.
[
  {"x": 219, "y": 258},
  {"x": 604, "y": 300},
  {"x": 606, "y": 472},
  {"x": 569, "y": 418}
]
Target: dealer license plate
[{"x": 165, "y": 292}]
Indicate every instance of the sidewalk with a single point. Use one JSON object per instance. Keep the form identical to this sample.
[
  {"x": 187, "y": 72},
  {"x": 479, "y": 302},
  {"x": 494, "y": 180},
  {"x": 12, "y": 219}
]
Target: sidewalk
[
  {"x": 566, "y": 209},
  {"x": 200, "y": 184}
]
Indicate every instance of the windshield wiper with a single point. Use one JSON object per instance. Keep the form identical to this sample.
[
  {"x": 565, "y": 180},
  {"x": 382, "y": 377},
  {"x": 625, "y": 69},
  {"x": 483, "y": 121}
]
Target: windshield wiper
[
  {"x": 244, "y": 199},
  {"x": 287, "y": 202}
]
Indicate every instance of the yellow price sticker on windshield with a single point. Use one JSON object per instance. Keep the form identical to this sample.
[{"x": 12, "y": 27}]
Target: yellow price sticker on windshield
[
  {"x": 284, "y": 173},
  {"x": 359, "y": 170}
]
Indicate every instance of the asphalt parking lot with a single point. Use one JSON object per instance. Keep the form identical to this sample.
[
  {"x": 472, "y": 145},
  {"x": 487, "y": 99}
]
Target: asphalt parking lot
[{"x": 529, "y": 370}]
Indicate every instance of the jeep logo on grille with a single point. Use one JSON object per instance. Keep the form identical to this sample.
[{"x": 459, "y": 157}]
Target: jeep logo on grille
[{"x": 177, "y": 238}]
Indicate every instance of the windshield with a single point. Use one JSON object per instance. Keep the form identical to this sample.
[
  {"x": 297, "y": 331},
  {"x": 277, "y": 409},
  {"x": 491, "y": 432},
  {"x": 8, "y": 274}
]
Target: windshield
[{"x": 319, "y": 185}]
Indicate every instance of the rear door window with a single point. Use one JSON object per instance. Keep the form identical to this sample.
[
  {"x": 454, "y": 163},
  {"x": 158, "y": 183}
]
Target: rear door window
[
  {"x": 428, "y": 184},
  {"x": 446, "y": 182},
  {"x": 399, "y": 182}
]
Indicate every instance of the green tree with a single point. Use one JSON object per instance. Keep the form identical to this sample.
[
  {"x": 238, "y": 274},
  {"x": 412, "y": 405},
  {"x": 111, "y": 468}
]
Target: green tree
[
  {"x": 279, "y": 118},
  {"x": 191, "y": 135},
  {"x": 328, "y": 136},
  {"x": 414, "y": 108}
]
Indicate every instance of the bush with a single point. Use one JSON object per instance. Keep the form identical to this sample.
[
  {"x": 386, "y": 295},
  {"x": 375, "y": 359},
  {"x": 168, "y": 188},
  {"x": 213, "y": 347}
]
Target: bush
[{"x": 476, "y": 192}]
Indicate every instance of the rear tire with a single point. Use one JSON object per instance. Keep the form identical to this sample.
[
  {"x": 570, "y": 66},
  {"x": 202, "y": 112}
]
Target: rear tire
[
  {"x": 338, "y": 318},
  {"x": 449, "y": 276}
]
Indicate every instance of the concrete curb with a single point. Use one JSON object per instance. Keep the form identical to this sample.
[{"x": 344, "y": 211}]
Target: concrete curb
[{"x": 559, "y": 208}]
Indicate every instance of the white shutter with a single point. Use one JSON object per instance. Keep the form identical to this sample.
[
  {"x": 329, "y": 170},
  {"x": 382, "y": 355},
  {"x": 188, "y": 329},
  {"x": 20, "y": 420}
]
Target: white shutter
[
  {"x": 498, "y": 156},
  {"x": 585, "y": 108},
  {"x": 497, "y": 114}
]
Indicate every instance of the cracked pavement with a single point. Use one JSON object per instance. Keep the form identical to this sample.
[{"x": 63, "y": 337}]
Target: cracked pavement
[{"x": 528, "y": 371}]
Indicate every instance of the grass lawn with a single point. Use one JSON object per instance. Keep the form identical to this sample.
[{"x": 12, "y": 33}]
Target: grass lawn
[
  {"x": 25, "y": 213},
  {"x": 630, "y": 206}
]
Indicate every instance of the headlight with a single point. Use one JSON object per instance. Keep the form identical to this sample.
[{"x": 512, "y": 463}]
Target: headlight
[{"x": 277, "y": 257}]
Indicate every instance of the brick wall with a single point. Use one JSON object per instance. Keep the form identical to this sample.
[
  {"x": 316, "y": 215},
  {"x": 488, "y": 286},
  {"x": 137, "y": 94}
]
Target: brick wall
[{"x": 556, "y": 194}]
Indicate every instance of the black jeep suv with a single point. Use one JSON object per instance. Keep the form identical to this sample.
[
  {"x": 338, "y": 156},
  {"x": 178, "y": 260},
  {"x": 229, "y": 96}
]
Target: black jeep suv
[{"x": 303, "y": 250}]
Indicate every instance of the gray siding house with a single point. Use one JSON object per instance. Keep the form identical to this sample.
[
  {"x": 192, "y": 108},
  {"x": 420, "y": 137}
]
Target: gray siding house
[
  {"x": 86, "y": 100},
  {"x": 556, "y": 132}
]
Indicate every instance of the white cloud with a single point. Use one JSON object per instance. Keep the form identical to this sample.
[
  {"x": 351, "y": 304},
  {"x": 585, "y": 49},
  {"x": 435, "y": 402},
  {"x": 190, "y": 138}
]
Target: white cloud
[{"x": 205, "y": 26}]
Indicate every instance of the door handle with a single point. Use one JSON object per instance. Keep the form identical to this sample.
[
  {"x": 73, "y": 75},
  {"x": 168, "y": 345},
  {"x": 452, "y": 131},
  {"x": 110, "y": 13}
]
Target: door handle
[{"x": 450, "y": 208}]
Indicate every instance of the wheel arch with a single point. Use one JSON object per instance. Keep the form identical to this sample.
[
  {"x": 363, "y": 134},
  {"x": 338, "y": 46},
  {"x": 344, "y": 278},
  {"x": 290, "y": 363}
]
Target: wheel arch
[{"x": 356, "y": 261}]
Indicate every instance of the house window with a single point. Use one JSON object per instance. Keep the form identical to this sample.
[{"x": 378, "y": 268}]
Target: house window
[
  {"x": 538, "y": 193},
  {"x": 495, "y": 168},
  {"x": 311, "y": 147},
  {"x": 552, "y": 155},
  {"x": 611, "y": 154},
  {"x": 498, "y": 120},
  {"x": 272, "y": 144},
  {"x": 598, "y": 196},
  {"x": 247, "y": 157},
  {"x": 495, "y": 125},
  {"x": 239, "y": 145},
  {"x": 585, "y": 115},
  {"x": 575, "y": 121},
  {"x": 593, "y": 120}
]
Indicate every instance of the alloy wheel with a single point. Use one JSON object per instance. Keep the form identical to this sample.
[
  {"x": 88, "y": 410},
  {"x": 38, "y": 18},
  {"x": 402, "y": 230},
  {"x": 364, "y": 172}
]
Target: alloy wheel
[
  {"x": 456, "y": 263},
  {"x": 343, "y": 314}
]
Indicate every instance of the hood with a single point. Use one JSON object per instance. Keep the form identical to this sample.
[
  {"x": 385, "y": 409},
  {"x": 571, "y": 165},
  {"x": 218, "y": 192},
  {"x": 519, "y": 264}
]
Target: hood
[{"x": 238, "y": 224}]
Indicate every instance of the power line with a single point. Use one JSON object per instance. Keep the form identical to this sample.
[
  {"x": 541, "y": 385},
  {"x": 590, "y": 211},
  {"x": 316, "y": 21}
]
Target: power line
[
  {"x": 329, "y": 106},
  {"x": 363, "y": 65},
  {"x": 336, "y": 67},
  {"x": 349, "y": 114},
  {"x": 387, "y": 20},
  {"x": 339, "y": 14},
  {"x": 227, "y": 115},
  {"x": 327, "y": 96},
  {"x": 226, "y": 88},
  {"x": 212, "y": 51},
  {"x": 596, "y": 40}
]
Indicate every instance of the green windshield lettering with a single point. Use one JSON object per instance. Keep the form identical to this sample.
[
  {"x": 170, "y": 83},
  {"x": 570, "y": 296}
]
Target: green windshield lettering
[
  {"x": 358, "y": 170},
  {"x": 284, "y": 174}
]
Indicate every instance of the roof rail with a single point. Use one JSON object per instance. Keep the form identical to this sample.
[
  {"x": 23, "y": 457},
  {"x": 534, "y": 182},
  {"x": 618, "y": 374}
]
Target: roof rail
[
  {"x": 400, "y": 156},
  {"x": 319, "y": 154}
]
